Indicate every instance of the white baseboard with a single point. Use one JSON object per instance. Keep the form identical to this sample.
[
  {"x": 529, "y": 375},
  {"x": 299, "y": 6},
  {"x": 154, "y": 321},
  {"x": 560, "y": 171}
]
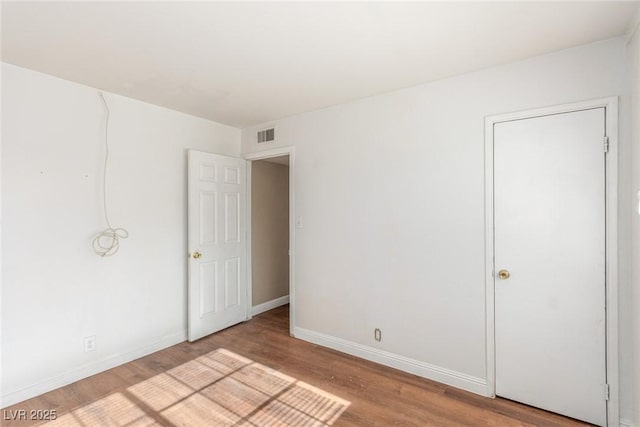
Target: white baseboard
[
  {"x": 426, "y": 370},
  {"x": 88, "y": 370},
  {"x": 269, "y": 305},
  {"x": 626, "y": 423}
]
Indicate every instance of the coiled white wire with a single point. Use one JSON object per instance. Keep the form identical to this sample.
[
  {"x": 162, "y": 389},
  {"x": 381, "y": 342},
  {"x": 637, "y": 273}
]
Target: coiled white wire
[{"x": 107, "y": 242}]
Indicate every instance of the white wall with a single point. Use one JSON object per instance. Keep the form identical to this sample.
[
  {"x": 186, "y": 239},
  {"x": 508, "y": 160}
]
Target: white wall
[
  {"x": 633, "y": 49},
  {"x": 55, "y": 289},
  {"x": 390, "y": 190}
]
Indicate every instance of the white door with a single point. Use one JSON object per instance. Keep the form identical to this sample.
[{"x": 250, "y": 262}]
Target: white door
[
  {"x": 549, "y": 213},
  {"x": 217, "y": 246}
]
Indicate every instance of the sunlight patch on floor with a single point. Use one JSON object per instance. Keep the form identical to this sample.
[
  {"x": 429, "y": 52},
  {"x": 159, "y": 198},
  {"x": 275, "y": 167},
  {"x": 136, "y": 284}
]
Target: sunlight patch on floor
[
  {"x": 220, "y": 388},
  {"x": 113, "y": 410}
]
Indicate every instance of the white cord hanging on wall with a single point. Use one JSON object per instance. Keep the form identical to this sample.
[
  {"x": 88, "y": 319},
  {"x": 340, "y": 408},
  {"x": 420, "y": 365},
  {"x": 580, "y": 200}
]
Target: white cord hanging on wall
[{"x": 107, "y": 242}]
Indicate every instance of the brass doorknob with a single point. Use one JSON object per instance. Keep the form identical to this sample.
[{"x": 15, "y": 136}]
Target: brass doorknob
[
  {"x": 196, "y": 255},
  {"x": 503, "y": 274}
]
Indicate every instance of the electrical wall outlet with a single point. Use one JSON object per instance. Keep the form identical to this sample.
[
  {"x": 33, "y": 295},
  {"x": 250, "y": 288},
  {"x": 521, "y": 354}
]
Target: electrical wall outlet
[
  {"x": 377, "y": 334},
  {"x": 89, "y": 343}
]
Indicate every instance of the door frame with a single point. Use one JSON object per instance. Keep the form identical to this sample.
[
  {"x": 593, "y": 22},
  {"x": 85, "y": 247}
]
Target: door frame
[
  {"x": 611, "y": 241},
  {"x": 262, "y": 155}
]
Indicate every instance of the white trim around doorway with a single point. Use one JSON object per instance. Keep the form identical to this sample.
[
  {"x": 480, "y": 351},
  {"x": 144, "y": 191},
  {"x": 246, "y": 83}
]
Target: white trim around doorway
[{"x": 276, "y": 152}]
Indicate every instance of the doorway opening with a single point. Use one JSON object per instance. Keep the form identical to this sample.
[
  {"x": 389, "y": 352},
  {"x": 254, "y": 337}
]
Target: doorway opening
[{"x": 270, "y": 229}]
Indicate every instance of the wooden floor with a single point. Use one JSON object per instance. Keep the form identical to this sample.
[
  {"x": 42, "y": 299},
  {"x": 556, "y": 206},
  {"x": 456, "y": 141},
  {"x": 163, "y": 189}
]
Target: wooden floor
[{"x": 378, "y": 396}]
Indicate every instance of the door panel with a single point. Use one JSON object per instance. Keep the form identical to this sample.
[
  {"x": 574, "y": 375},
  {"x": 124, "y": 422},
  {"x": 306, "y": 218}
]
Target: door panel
[
  {"x": 217, "y": 282},
  {"x": 549, "y": 213}
]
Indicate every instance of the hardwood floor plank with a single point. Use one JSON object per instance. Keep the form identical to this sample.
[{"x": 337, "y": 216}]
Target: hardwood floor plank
[{"x": 378, "y": 395}]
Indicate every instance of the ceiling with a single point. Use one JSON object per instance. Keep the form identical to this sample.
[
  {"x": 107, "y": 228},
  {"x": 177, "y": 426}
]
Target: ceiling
[{"x": 244, "y": 63}]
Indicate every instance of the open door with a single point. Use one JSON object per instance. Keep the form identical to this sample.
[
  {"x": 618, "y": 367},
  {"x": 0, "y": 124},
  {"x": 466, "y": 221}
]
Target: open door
[{"x": 217, "y": 248}]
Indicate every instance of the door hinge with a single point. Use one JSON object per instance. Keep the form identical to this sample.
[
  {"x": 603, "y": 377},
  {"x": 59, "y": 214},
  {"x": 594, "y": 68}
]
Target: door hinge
[
  {"x": 606, "y": 144},
  {"x": 606, "y": 392}
]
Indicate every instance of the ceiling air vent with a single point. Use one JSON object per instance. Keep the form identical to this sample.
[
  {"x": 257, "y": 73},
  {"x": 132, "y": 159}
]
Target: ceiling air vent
[{"x": 266, "y": 135}]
